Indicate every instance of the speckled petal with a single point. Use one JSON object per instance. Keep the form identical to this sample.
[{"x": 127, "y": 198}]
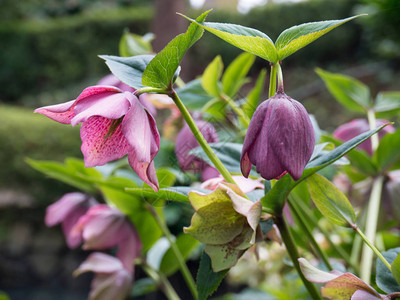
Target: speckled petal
[
  {"x": 62, "y": 113},
  {"x": 96, "y": 148},
  {"x": 146, "y": 171}
]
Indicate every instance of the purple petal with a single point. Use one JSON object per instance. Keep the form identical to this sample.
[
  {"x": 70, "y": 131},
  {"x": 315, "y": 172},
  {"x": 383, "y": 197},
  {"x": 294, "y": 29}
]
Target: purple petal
[
  {"x": 251, "y": 144},
  {"x": 112, "y": 80},
  {"x": 115, "y": 286},
  {"x": 130, "y": 246},
  {"x": 99, "y": 263},
  {"x": 73, "y": 240},
  {"x": 62, "y": 113},
  {"x": 209, "y": 173},
  {"x": 58, "y": 211},
  {"x": 108, "y": 104},
  {"x": 146, "y": 171},
  {"x": 98, "y": 149},
  {"x": 364, "y": 295}
]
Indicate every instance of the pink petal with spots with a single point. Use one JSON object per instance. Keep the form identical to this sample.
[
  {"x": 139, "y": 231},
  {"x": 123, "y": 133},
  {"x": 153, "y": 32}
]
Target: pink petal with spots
[
  {"x": 140, "y": 130},
  {"x": 62, "y": 113},
  {"x": 110, "y": 105},
  {"x": 146, "y": 171},
  {"x": 98, "y": 149}
]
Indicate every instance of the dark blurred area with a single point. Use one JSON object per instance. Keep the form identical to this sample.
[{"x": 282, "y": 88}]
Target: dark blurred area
[{"x": 48, "y": 54}]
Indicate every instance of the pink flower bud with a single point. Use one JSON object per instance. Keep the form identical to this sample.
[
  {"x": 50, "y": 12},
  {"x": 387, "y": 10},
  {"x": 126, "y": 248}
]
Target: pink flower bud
[{"x": 280, "y": 139}]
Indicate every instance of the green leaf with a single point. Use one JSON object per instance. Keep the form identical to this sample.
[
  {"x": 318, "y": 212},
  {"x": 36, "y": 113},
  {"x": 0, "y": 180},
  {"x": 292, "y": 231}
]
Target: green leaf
[
  {"x": 234, "y": 76},
  {"x": 245, "y": 38},
  {"x": 143, "y": 286},
  {"x": 254, "y": 96},
  {"x": 228, "y": 153},
  {"x": 275, "y": 199},
  {"x": 384, "y": 278},
  {"x": 128, "y": 69},
  {"x": 160, "y": 71},
  {"x": 168, "y": 194},
  {"x": 132, "y": 44},
  {"x": 72, "y": 172},
  {"x": 388, "y": 152},
  {"x": 297, "y": 37},
  {"x": 330, "y": 157},
  {"x": 388, "y": 103},
  {"x": 211, "y": 76},
  {"x": 396, "y": 269},
  {"x": 330, "y": 201},
  {"x": 207, "y": 280},
  {"x": 193, "y": 95},
  {"x": 186, "y": 244},
  {"x": 351, "y": 93}
]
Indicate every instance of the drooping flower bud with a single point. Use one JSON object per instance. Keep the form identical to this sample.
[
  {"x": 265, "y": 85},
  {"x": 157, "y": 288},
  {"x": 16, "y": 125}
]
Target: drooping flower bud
[
  {"x": 186, "y": 141},
  {"x": 280, "y": 139},
  {"x": 355, "y": 127}
]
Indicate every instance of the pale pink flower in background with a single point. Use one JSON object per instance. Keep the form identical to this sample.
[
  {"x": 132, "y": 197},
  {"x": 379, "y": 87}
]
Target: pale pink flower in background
[
  {"x": 246, "y": 184},
  {"x": 114, "y": 123},
  {"x": 103, "y": 227},
  {"x": 111, "y": 279},
  {"x": 67, "y": 211}
]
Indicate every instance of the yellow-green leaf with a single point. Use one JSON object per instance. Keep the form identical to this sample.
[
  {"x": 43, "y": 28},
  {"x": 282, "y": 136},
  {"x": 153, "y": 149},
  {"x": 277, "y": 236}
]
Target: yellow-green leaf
[{"x": 211, "y": 76}]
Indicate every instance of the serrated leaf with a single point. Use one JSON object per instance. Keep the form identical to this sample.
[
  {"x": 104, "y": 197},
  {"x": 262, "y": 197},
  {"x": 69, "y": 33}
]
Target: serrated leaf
[
  {"x": 351, "y": 93},
  {"x": 245, "y": 38},
  {"x": 387, "y": 102},
  {"x": 160, "y": 71},
  {"x": 297, "y": 37},
  {"x": 329, "y": 158},
  {"x": 71, "y": 172},
  {"x": 132, "y": 44},
  {"x": 254, "y": 96},
  {"x": 128, "y": 69},
  {"x": 387, "y": 153},
  {"x": 193, "y": 95},
  {"x": 186, "y": 244},
  {"x": 384, "y": 278},
  {"x": 207, "y": 280},
  {"x": 211, "y": 76},
  {"x": 330, "y": 201},
  {"x": 235, "y": 73}
]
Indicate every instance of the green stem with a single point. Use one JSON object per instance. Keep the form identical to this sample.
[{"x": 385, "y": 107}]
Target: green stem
[
  {"x": 280, "y": 77},
  {"x": 236, "y": 108},
  {"x": 149, "y": 90},
  {"x": 182, "y": 265},
  {"x": 373, "y": 248},
  {"x": 162, "y": 281},
  {"x": 294, "y": 255},
  {"x": 372, "y": 125},
  {"x": 272, "y": 81},
  {"x": 200, "y": 138},
  {"x": 339, "y": 250},
  {"x": 370, "y": 229},
  {"x": 306, "y": 228}
]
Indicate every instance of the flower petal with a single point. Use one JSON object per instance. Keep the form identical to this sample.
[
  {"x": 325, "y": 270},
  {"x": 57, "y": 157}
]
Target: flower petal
[
  {"x": 146, "y": 171},
  {"x": 130, "y": 246},
  {"x": 62, "y": 113},
  {"x": 98, "y": 149},
  {"x": 58, "y": 211},
  {"x": 99, "y": 263}
]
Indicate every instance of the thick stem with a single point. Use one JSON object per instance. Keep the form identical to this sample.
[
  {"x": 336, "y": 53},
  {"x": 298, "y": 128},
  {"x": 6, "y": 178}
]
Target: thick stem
[
  {"x": 294, "y": 255},
  {"x": 280, "y": 78},
  {"x": 236, "y": 108},
  {"x": 307, "y": 230},
  {"x": 162, "y": 281},
  {"x": 370, "y": 229},
  {"x": 373, "y": 248},
  {"x": 372, "y": 125},
  {"x": 148, "y": 90},
  {"x": 182, "y": 265},
  {"x": 272, "y": 81},
  {"x": 200, "y": 138}
]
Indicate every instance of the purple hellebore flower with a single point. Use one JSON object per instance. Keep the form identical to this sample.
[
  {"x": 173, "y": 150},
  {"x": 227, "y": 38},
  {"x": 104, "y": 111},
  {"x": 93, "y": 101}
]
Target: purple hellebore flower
[
  {"x": 67, "y": 211},
  {"x": 103, "y": 227},
  {"x": 111, "y": 281},
  {"x": 280, "y": 139},
  {"x": 114, "y": 123},
  {"x": 355, "y": 127},
  {"x": 112, "y": 80},
  {"x": 186, "y": 141}
]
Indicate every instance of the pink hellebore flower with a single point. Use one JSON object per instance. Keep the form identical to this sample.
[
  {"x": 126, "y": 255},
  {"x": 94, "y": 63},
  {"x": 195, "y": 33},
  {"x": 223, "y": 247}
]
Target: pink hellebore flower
[
  {"x": 246, "y": 184},
  {"x": 355, "y": 127},
  {"x": 280, "y": 139},
  {"x": 67, "y": 211},
  {"x": 111, "y": 280},
  {"x": 112, "y": 80},
  {"x": 114, "y": 123},
  {"x": 103, "y": 227},
  {"x": 186, "y": 141}
]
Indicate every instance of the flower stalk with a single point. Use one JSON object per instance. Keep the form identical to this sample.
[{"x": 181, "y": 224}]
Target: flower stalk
[
  {"x": 272, "y": 81},
  {"x": 162, "y": 281}
]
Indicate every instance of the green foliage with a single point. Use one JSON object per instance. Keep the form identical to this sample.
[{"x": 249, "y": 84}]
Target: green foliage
[
  {"x": 160, "y": 71},
  {"x": 384, "y": 278},
  {"x": 132, "y": 44},
  {"x": 331, "y": 202},
  {"x": 24, "y": 134},
  {"x": 56, "y": 53},
  {"x": 254, "y": 96},
  {"x": 211, "y": 77},
  {"x": 387, "y": 153}
]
